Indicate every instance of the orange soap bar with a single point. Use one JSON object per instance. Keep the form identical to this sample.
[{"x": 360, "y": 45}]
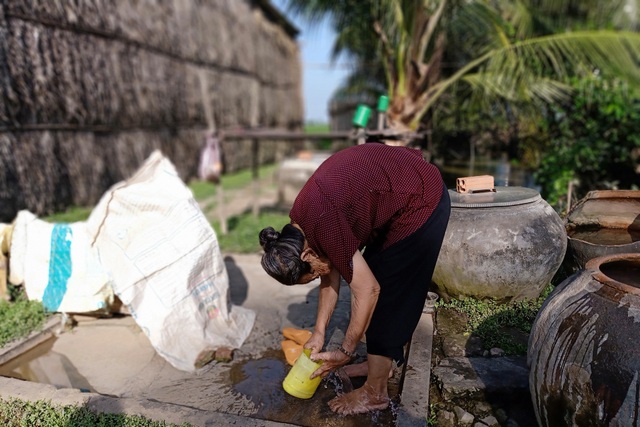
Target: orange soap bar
[{"x": 300, "y": 336}]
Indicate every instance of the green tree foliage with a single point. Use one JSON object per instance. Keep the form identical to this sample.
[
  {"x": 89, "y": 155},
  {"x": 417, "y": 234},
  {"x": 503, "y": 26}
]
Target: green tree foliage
[
  {"x": 593, "y": 141},
  {"x": 517, "y": 51}
]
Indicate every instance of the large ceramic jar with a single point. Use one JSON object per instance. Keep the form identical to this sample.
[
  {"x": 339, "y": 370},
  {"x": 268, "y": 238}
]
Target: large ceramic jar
[
  {"x": 584, "y": 347},
  {"x": 504, "y": 245},
  {"x": 604, "y": 222}
]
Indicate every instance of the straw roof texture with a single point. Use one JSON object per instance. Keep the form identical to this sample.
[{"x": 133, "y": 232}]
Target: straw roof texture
[{"x": 90, "y": 87}]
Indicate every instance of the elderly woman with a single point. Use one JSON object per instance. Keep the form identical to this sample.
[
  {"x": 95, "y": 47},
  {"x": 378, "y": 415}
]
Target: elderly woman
[{"x": 374, "y": 215}]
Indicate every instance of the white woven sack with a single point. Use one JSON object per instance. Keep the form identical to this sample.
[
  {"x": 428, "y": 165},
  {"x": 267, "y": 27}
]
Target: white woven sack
[
  {"x": 56, "y": 265},
  {"x": 166, "y": 265}
]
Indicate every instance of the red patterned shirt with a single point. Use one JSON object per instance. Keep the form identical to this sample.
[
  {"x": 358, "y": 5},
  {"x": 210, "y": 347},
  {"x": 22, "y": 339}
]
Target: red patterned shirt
[{"x": 369, "y": 194}]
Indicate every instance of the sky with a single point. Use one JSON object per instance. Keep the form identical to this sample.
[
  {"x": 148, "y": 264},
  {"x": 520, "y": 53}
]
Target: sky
[{"x": 320, "y": 79}]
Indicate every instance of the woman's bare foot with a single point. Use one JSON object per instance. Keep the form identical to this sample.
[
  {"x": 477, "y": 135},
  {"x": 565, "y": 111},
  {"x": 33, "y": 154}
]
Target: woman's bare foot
[
  {"x": 359, "y": 401},
  {"x": 360, "y": 370}
]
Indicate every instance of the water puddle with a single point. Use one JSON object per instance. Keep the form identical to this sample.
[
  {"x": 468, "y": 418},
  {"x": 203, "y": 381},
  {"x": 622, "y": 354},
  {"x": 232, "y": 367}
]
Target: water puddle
[
  {"x": 260, "y": 380},
  {"x": 42, "y": 365}
]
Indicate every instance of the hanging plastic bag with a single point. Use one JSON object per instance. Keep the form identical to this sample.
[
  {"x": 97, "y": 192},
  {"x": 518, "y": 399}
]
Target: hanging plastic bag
[{"x": 210, "y": 167}]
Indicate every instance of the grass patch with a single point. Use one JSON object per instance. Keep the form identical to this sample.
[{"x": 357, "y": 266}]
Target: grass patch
[
  {"x": 243, "y": 231},
  {"x": 499, "y": 324},
  {"x": 316, "y": 127},
  {"x": 19, "y": 413},
  {"x": 201, "y": 190},
  {"x": 432, "y": 418},
  {"x": 234, "y": 181},
  {"x": 73, "y": 214},
  {"x": 20, "y": 317},
  {"x": 323, "y": 144}
]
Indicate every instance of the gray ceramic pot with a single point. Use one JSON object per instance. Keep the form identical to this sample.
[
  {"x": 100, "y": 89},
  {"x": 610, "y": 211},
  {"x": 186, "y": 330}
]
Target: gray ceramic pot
[
  {"x": 584, "y": 347},
  {"x": 505, "y": 245}
]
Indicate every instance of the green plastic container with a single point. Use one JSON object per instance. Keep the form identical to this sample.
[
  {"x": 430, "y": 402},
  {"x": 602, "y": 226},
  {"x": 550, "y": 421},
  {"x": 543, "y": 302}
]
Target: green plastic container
[
  {"x": 361, "y": 118},
  {"x": 383, "y": 104}
]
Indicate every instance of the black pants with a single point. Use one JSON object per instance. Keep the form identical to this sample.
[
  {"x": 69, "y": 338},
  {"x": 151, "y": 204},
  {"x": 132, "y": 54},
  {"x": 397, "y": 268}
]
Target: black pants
[{"x": 404, "y": 272}]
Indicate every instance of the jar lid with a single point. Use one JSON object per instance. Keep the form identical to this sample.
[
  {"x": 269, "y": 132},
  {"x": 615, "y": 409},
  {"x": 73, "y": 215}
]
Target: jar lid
[{"x": 503, "y": 196}]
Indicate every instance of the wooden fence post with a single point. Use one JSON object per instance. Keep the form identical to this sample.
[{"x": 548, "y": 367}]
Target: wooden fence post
[{"x": 254, "y": 176}]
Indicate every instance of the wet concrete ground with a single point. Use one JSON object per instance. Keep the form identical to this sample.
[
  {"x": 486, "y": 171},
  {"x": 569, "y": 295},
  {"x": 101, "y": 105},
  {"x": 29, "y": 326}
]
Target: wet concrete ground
[{"x": 113, "y": 358}]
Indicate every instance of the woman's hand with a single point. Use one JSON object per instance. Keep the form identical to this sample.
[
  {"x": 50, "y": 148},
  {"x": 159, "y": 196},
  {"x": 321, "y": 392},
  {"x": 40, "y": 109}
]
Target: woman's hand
[
  {"x": 315, "y": 342},
  {"x": 331, "y": 360}
]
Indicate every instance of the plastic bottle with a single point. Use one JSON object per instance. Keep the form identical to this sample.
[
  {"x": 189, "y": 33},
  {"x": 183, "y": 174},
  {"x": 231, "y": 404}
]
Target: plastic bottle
[{"x": 297, "y": 383}]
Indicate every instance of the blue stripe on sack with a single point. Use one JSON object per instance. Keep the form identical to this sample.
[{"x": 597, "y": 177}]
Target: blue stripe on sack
[{"x": 59, "y": 267}]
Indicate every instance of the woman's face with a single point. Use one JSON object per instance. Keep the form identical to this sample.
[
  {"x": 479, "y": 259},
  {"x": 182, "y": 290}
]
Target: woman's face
[
  {"x": 308, "y": 277},
  {"x": 319, "y": 266}
]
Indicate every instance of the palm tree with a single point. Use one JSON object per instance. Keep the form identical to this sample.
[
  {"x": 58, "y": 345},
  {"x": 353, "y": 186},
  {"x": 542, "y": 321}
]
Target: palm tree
[{"x": 509, "y": 52}]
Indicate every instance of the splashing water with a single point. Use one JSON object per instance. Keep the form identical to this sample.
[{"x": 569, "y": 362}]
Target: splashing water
[
  {"x": 334, "y": 381},
  {"x": 394, "y": 406}
]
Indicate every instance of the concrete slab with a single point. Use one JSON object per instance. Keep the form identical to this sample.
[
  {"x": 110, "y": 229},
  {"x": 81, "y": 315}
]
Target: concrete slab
[
  {"x": 414, "y": 410},
  {"x": 293, "y": 173}
]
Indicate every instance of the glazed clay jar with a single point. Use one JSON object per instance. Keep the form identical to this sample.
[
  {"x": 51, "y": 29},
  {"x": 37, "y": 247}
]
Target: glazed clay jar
[
  {"x": 604, "y": 222},
  {"x": 584, "y": 347},
  {"x": 504, "y": 245}
]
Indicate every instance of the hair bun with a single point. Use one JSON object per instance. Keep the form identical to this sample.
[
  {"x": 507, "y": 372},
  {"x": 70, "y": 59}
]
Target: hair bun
[{"x": 267, "y": 236}]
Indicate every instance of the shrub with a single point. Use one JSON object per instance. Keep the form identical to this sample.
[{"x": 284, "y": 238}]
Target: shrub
[{"x": 593, "y": 141}]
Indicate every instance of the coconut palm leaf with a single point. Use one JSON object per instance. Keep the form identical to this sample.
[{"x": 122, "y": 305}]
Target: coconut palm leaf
[
  {"x": 505, "y": 50},
  {"x": 488, "y": 86},
  {"x": 536, "y": 67}
]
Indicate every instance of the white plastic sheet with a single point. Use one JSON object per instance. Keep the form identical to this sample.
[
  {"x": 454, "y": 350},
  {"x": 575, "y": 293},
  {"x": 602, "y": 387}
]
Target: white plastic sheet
[{"x": 166, "y": 265}]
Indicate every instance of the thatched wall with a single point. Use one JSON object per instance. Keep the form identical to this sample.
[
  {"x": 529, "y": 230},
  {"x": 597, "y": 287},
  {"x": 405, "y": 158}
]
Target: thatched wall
[{"x": 89, "y": 88}]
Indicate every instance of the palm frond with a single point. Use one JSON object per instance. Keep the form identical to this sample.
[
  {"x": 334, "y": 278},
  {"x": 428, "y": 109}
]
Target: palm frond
[
  {"x": 495, "y": 86},
  {"x": 536, "y": 68},
  {"x": 614, "y": 52}
]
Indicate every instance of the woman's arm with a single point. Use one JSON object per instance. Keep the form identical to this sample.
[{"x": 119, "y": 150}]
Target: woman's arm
[
  {"x": 364, "y": 296},
  {"x": 365, "y": 290},
  {"x": 327, "y": 299}
]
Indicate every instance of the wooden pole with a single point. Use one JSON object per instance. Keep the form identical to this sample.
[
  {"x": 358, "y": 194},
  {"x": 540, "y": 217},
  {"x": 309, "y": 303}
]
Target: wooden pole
[
  {"x": 221, "y": 213},
  {"x": 254, "y": 174}
]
